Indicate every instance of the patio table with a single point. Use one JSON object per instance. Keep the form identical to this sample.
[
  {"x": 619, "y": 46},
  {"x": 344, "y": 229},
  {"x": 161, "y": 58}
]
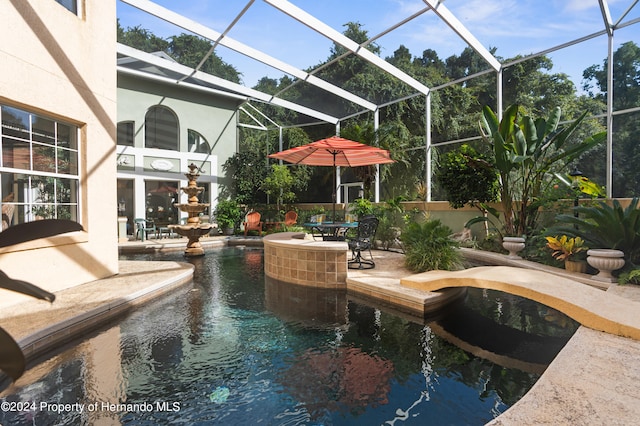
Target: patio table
[{"x": 331, "y": 231}]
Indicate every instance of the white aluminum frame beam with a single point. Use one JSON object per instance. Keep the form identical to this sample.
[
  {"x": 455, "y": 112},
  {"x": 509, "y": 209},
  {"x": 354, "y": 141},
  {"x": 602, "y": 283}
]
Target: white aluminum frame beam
[
  {"x": 339, "y": 38},
  {"x": 606, "y": 16},
  {"x": 206, "y": 32},
  {"x": 225, "y": 84},
  {"x": 448, "y": 18},
  {"x": 258, "y": 125}
]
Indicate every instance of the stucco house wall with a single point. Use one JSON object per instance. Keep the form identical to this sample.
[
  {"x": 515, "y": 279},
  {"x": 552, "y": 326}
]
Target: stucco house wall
[{"x": 63, "y": 65}]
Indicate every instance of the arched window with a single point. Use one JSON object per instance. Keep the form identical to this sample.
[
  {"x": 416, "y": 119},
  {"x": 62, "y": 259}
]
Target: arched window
[
  {"x": 161, "y": 128},
  {"x": 197, "y": 142}
]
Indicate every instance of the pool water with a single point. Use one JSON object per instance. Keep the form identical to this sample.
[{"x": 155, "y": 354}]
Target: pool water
[{"x": 235, "y": 348}]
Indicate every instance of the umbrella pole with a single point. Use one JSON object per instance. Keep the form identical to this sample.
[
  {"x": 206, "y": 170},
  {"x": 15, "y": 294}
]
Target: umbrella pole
[{"x": 335, "y": 187}]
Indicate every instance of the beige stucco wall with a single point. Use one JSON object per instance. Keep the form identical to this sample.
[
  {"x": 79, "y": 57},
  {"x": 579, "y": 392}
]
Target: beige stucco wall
[{"x": 62, "y": 65}]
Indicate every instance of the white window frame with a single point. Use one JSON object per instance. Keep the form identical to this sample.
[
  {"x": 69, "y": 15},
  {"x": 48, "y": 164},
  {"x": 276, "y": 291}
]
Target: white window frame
[{"x": 27, "y": 200}]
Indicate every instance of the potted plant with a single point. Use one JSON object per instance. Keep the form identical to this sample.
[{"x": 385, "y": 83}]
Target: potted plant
[
  {"x": 566, "y": 249},
  {"x": 228, "y": 214},
  {"x": 605, "y": 226}
]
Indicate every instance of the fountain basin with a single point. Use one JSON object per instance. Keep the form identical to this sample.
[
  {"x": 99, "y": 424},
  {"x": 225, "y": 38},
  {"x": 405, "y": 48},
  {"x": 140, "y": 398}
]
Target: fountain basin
[{"x": 193, "y": 232}]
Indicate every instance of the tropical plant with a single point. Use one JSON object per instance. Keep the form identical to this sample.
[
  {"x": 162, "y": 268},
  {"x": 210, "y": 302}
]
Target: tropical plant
[
  {"x": 564, "y": 247},
  {"x": 361, "y": 207},
  {"x": 428, "y": 246},
  {"x": 605, "y": 226},
  {"x": 228, "y": 214},
  {"x": 526, "y": 152},
  {"x": 582, "y": 185}
]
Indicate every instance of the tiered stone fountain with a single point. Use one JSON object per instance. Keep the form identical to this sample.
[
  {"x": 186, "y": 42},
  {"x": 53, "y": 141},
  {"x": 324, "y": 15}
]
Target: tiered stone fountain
[{"x": 193, "y": 229}]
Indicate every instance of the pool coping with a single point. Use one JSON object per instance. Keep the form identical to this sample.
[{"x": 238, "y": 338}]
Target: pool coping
[{"x": 38, "y": 326}]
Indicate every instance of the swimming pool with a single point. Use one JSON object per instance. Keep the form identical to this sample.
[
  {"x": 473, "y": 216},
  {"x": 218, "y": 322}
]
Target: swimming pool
[{"x": 235, "y": 348}]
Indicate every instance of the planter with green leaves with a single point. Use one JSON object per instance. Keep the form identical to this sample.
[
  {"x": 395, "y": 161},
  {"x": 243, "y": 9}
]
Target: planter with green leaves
[
  {"x": 605, "y": 226},
  {"x": 228, "y": 214}
]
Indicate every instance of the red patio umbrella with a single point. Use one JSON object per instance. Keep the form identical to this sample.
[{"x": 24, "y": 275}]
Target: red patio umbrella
[{"x": 334, "y": 151}]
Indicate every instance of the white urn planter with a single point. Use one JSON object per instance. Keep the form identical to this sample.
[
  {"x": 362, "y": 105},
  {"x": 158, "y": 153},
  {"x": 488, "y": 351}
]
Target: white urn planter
[
  {"x": 513, "y": 245},
  {"x": 606, "y": 261}
]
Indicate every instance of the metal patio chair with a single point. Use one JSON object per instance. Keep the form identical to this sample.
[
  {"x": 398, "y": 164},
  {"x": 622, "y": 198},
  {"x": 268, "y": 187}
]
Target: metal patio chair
[{"x": 363, "y": 241}]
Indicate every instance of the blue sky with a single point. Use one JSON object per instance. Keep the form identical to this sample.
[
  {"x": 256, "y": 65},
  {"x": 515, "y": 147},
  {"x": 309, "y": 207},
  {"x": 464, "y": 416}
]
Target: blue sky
[{"x": 513, "y": 26}]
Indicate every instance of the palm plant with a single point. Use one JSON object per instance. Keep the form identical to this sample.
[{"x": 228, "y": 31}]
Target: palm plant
[{"x": 605, "y": 226}]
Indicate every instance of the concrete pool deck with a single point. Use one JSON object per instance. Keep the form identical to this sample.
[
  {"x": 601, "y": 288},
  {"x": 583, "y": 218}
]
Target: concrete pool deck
[{"x": 593, "y": 380}]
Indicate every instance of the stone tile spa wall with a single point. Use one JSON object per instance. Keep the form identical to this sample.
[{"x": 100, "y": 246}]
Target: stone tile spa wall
[{"x": 290, "y": 258}]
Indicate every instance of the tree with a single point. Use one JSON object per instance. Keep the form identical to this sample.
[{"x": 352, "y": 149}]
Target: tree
[
  {"x": 186, "y": 49},
  {"x": 625, "y": 128},
  {"x": 141, "y": 39},
  {"x": 245, "y": 172},
  {"x": 279, "y": 184},
  {"x": 189, "y": 50}
]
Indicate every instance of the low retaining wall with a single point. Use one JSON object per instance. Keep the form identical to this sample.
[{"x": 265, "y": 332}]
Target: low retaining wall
[{"x": 292, "y": 258}]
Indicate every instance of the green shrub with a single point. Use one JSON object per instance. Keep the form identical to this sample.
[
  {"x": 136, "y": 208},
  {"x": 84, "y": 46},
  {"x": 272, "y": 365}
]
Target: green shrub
[
  {"x": 391, "y": 218},
  {"x": 428, "y": 246},
  {"x": 361, "y": 207},
  {"x": 228, "y": 214},
  {"x": 605, "y": 226},
  {"x": 304, "y": 216},
  {"x": 630, "y": 277},
  {"x": 387, "y": 232}
]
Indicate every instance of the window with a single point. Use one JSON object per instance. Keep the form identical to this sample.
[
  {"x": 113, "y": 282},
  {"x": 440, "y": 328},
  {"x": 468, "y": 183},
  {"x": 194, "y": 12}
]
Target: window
[
  {"x": 161, "y": 129},
  {"x": 161, "y": 199},
  {"x": 38, "y": 168},
  {"x": 197, "y": 142},
  {"x": 72, "y": 5},
  {"x": 125, "y": 133}
]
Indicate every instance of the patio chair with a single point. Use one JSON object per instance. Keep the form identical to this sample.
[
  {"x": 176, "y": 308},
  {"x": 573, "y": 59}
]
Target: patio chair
[
  {"x": 363, "y": 241},
  {"x": 291, "y": 218},
  {"x": 143, "y": 227},
  {"x": 253, "y": 223}
]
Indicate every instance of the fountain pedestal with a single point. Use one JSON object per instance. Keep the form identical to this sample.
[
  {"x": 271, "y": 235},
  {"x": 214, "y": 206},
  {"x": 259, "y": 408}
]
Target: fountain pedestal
[{"x": 193, "y": 229}]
